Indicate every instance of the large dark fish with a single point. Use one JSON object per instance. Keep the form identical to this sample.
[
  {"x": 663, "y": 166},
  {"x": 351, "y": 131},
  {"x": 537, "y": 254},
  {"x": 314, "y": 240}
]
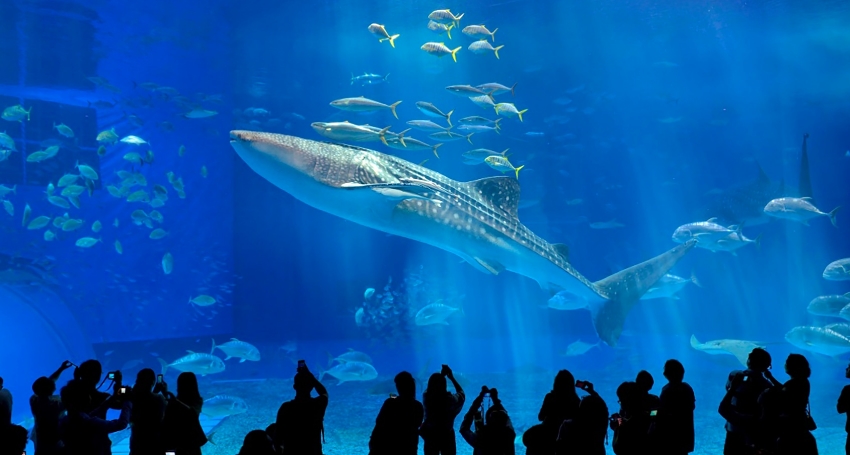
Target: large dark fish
[
  {"x": 475, "y": 220},
  {"x": 744, "y": 204}
]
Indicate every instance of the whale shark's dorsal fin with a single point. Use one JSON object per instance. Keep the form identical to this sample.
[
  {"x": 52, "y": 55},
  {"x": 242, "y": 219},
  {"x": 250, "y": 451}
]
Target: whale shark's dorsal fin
[
  {"x": 562, "y": 250},
  {"x": 502, "y": 192},
  {"x": 763, "y": 179},
  {"x": 623, "y": 289}
]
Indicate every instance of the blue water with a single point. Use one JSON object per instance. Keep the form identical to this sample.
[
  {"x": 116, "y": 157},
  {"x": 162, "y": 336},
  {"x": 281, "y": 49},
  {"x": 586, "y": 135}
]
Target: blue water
[{"x": 641, "y": 111}]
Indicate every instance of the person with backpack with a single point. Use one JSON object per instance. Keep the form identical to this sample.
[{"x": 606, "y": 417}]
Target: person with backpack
[
  {"x": 740, "y": 406},
  {"x": 300, "y": 421},
  {"x": 796, "y": 423},
  {"x": 587, "y": 432}
]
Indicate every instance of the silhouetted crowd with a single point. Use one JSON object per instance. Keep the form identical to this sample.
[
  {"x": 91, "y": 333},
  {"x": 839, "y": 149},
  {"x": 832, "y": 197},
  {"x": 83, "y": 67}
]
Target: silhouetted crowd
[{"x": 763, "y": 416}]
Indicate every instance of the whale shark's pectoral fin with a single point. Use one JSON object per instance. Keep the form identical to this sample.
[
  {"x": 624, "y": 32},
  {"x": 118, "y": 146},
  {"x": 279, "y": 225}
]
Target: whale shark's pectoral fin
[
  {"x": 484, "y": 265},
  {"x": 397, "y": 191},
  {"x": 623, "y": 289}
]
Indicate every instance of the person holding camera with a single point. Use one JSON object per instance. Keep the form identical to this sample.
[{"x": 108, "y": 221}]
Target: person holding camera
[
  {"x": 631, "y": 424},
  {"x": 300, "y": 422},
  {"x": 46, "y": 408},
  {"x": 587, "y": 432},
  {"x": 396, "y": 429},
  {"x": 181, "y": 426},
  {"x": 493, "y": 433},
  {"x": 148, "y": 411},
  {"x": 441, "y": 409},
  {"x": 81, "y": 430}
]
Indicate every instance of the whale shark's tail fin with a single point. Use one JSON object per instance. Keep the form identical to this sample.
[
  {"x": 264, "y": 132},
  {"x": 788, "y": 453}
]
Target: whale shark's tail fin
[
  {"x": 805, "y": 178},
  {"x": 624, "y": 288}
]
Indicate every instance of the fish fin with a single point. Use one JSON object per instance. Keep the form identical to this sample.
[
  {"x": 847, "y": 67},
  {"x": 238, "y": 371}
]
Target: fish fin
[
  {"x": 517, "y": 171},
  {"x": 241, "y": 361},
  {"x": 401, "y": 136},
  {"x": 496, "y": 50},
  {"x": 454, "y": 53},
  {"x": 520, "y": 113},
  {"x": 434, "y": 149},
  {"x": 227, "y": 358},
  {"x": 341, "y": 381},
  {"x": 493, "y": 38},
  {"x": 393, "y": 106},
  {"x": 757, "y": 241},
  {"x": 164, "y": 365},
  {"x": 493, "y": 267},
  {"x": 385, "y": 78},
  {"x": 502, "y": 192},
  {"x": 711, "y": 220},
  {"x": 505, "y": 151},
  {"x": 694, "y": 342},
  {"x": 832, "y": 215},
  {"x": 807, "y": 198},
  {"x": 694, "y": 280},
  {"x": 623, "y": 289},
  {"x": 513, "y": 87},
  {"x": 449, "y": 30},
  {"x": 449, "y": 118},
  {"x": 212, "y": 351},
  {"x": 563, "y": 250},
  {"x": 399, "y": 190},
  {"x": 443, "y": 323},
  {"x": 382, "y": 135}
]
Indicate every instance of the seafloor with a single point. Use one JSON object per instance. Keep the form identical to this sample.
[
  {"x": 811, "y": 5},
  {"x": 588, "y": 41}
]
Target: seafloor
[{"x": 352, "y": 410}]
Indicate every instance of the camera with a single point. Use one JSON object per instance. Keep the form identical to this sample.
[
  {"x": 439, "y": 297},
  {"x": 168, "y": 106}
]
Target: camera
[
  {"x": 581, "y": 384},
  {"x": 653, "y": 413},
  {"x": 159, "y": 379},
  {"x": 169, "y": 453},
  {"x": 124, "y": 390},
  {"x": 110, "y": 375}
]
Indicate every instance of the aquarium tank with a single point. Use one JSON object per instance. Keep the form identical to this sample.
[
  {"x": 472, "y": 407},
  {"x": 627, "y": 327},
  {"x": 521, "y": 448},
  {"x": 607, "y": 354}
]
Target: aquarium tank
[{"x": 508, "y": 187}]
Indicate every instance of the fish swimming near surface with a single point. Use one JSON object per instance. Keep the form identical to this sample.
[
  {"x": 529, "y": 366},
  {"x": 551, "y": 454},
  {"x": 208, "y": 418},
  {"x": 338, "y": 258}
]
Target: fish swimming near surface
[
  {"x": 745, "y": 203},
  {"x": 475, "y": 220},
  {"x": 381, "y": 32},
  {"x": 739, "y": 348}
]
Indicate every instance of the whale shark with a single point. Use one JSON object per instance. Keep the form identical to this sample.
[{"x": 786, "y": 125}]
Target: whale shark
[
  {"x": 475, "y": 220},
  {"x": 744, "y": 204}
]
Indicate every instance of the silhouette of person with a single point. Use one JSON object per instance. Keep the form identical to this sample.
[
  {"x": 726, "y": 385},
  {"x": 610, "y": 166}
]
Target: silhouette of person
[
  {"x": 843, "y": 407},
  {"x": 645, "y": 382},
  {"x": 257, "y": 442},
  {"x": 796, "y": 436},
  {"x": 560, "y": 404},
  {"x": 148, "y": 413},
  {"x": 587, "y": 432},
  {"x": 441, "y": 409},
  {"x": 631, "y": 424},
  {"x": 674, "y": 431},
  {"x": 13, "y": 439},
  {"x": 83, "y": 432},
  {"x": 300, "y": 421},
  {"x": 46, "y": 409},
  {"x": 396, "y": 429},
  {"x": 493, "y": 434},
  {"x": 181, "y": 427},
  {"x": 5, "y": 405},
  {"x": 740, "y": 406}
]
